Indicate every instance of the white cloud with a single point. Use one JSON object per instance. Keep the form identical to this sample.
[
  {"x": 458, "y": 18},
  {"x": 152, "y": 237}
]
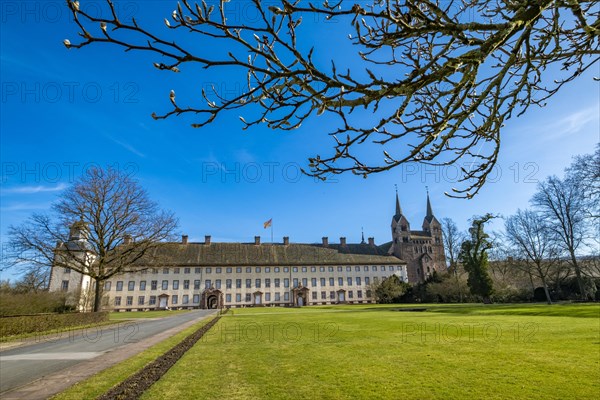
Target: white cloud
[
  {"x": 572, "y": 123},
  {"x": 129, "y": 147},
  {"x": 34, "y": 189},
  {"x": 25, "y": 207}
]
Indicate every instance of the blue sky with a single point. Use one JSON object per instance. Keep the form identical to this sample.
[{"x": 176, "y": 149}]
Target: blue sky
[{"x": 64, "y": 110}]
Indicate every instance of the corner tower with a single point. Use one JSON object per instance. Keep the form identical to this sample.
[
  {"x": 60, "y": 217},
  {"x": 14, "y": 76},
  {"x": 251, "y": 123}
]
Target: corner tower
[{"x": 400, "y": 230}]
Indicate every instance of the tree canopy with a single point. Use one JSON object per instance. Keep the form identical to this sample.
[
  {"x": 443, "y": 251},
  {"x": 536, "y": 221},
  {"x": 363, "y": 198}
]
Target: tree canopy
[
  {"x": 437, "y": 79},
  {"x": 102, "y": 225}
]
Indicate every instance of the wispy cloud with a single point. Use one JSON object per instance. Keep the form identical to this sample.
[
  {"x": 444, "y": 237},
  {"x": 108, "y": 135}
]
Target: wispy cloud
[
  {"x": 129, "y": 147},
  {"x": 24, "y": 206},
  {"x": 34, "y": 189},
  {"x": 571, "y": 123},
  {"x": 244, "y": 156}
]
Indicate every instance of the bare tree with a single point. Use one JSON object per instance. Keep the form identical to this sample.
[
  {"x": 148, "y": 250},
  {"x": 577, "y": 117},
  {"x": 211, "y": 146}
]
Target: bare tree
[
  {"x": 113, "y": 225},
  {"x": 33, "y": 281},
  {"x": 453, "y": 239},
  {"x": 585, "y": 170},
  {"x": 437, "y": 79},
  {"x": 531, "y": 238},
  {"x": 562, "y": 204}
]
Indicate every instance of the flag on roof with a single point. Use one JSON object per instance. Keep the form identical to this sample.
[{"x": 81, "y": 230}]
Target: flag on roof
[{"x": 268, "y": 223}]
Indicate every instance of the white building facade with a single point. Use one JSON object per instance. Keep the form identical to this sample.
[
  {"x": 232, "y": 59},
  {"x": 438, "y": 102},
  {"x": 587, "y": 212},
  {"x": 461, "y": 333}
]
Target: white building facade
[{"x": 217, "y": 275}]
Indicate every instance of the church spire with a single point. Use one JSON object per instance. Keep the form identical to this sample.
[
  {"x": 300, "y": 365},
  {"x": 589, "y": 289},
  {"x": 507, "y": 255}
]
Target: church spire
[
  {"x": 398, "y": 209},
  {"x": 429, "y": 210}
]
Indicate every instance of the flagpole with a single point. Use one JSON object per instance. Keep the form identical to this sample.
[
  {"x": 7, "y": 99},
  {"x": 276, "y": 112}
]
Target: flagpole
[{"x": 271, "y": 232}]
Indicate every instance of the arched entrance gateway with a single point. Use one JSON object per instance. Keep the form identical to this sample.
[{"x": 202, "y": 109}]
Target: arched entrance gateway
[
  {"x": 300, "y": 296},
  {"x": 212, "y": 299}
]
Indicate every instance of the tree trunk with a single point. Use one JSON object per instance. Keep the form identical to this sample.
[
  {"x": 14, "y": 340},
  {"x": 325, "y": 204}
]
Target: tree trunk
[
  {"x": 532, "y": 285},
  {"x": 548, "y": 298},
  {"x": 97, "y": 295},
  {"x": 458, "y": 283},
  {"x": 582, "y": 294}
]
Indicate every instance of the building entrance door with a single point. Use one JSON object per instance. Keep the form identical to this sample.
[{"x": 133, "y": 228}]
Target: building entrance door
[
  {"x": 257, "y": 298},
  {"x": 162, "y": 302},
  {"x": 341, "y": 297}
]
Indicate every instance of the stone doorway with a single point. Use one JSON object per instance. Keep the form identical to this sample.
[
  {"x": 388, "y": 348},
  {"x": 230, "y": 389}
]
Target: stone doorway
[
  {"x": 212, "y": 302},
  {"x": 341, "y": 296},
  {"x": 212, "y": 299},
  {"x": 300, "y": 296},
  {"x": 258, "y": 298},
  {"x": 163, "y": 301}
]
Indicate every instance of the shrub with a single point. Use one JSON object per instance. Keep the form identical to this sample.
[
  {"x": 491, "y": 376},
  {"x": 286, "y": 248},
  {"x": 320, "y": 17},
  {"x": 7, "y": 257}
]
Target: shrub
[
  {"x": 16, "y": 325},
  {"x": 511, "y": 294},
  {"x": 33, "y": 303}
]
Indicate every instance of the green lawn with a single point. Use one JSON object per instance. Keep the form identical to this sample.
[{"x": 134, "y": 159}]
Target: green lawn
[
  {"x": 373, "y": 351},
  {"x": 103, "y": 381}
]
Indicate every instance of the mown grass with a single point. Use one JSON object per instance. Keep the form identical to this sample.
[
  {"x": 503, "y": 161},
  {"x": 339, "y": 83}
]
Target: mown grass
[
  {"x": 103, "y": 381},
  {"x": 119, "y": 316},
  {"x": 367, "y": 351}
]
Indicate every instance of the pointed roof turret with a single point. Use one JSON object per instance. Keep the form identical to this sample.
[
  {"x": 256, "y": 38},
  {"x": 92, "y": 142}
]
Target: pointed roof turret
[
  {"x": 429, "y": 211},
  {"x": 429, "y": 217},
  {"x": 79, "y": 230},
  {"x": 362, "y": 232},
  {"x": 398, "y": 208}
]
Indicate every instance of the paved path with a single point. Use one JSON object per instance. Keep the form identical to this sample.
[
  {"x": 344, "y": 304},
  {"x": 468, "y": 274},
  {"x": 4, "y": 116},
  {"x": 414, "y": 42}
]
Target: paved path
[{"x": 52, "y": 364}]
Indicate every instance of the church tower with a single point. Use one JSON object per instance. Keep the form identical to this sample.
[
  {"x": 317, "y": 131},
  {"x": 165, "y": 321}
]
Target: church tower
[
  {"x": 431, "y": 224},
  {"x": 400, "y": 231},
  {"x": 423, "y": 251}
]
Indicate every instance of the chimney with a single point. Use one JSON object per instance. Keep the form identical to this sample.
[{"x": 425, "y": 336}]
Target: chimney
[
  {"x": 184, "y": 239},
  {"x": 343, "y": 241},
  {"x": 325, "y": 241},
  {"x": 256, "y": 239},
  {"x": 286, "y": 240},
  {"x": 207, "y": 239},
  {"x": 371, "y": 242},
  {"x": 127, "y": 239}
]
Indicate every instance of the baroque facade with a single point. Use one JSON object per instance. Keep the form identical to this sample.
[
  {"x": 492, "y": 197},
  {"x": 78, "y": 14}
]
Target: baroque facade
[{"x": 215, "y": 275}]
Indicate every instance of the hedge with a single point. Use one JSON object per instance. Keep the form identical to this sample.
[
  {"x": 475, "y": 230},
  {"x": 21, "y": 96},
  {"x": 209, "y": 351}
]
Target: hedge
[{"x": 16, "y": 325}]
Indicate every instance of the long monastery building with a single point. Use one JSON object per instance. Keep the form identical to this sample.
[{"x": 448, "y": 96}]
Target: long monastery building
[{"x": 216, "y": 275}]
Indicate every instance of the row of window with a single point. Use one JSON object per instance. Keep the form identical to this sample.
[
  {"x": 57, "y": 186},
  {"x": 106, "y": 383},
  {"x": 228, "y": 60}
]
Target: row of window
[
  {"x": 258, "y": 283},
  {"x": 423, "y": 249},
  {"x": 185, "y": 299},
  {"x": 141, "y": 301},
  {"x": 238, "y": 270}
]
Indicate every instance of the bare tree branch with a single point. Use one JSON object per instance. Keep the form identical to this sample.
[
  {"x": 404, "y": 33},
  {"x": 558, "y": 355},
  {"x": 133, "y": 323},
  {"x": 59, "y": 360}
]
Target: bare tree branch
[{"x": 436, "y": 79}]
